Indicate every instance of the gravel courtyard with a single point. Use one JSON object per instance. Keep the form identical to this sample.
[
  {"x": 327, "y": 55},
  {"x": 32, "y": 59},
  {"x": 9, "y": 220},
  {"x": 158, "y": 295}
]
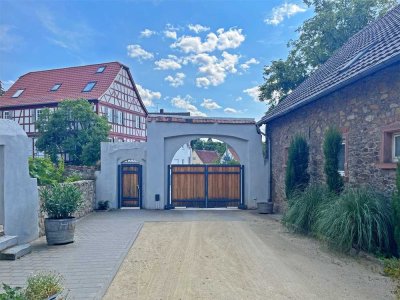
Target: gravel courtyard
[{"x": 239, "y": 255}]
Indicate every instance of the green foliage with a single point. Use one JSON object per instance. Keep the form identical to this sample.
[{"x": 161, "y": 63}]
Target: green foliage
[
  {"x": 332, "y": 24},
  {"x": 200, "y": 144},
  {"x": 304, "y": 208},
  {"x": 43, "y": 285},
  {"x": 60, "y": 201},
  {"x": 332, "y": 145},
  {"x": 359, "y": 218},
  {"x": 392, "y": 269},
  {"x": 45, "y": 171},
  {"x": 73, "y": 177},
  {"x": 297, "y": 177},
  {"x": 396, "y": 210},
  {"x": 74, "y": 129},
  {"x": 12, "y": 293}
]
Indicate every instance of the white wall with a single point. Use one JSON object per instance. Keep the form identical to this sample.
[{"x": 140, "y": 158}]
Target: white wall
[
  {"x": 183, "y": 155},
  {"x": 1, "y": 185}
]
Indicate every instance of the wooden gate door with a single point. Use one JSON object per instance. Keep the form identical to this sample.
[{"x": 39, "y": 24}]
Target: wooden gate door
[
  {"x": 205, "y": 186},
  {"x": 130, "y": 185}
]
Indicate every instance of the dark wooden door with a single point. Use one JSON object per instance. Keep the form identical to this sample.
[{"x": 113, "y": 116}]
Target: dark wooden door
[
  {"x": 130, "y": 186},
  {"x": 205, "y": 186}
]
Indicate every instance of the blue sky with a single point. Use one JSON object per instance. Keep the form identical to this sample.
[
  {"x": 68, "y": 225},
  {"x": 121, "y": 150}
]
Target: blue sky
[{"x": 205, "y": 57}]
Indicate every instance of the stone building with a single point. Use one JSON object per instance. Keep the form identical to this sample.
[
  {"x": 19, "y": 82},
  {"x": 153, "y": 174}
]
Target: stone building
[{"x": 358, "y": 91}]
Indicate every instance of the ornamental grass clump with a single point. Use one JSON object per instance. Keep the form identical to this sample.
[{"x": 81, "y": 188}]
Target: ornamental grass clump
[
  {"x": 304, "y": 207},
  {"x": 61, "y": 201},
  {"x": 359, "y": 218},
  {"x": 43, "y": 285},
  {"x": 297, "y": 177}
]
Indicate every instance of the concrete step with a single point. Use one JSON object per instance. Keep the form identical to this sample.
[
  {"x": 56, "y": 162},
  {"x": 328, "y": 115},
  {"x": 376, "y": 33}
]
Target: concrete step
[
  {"x": 8, "y": 241},
  {"x": 15, "y": 252}
]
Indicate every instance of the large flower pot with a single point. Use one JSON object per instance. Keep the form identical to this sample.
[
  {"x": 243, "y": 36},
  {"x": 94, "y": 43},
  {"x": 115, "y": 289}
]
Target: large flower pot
[{"x": 59, "y": 231}]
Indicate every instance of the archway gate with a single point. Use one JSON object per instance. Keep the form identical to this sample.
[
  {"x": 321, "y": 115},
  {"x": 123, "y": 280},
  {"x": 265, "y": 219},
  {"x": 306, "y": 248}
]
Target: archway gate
[{"x": 205, "y": 186}]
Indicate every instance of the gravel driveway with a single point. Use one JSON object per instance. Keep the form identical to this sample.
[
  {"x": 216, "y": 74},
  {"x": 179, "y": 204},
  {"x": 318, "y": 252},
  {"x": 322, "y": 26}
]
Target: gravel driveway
[{"x": 252, "y": 257}]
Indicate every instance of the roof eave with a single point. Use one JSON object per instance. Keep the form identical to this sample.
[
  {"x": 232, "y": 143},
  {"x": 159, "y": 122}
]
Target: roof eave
[{"x": 392, "y": 60}]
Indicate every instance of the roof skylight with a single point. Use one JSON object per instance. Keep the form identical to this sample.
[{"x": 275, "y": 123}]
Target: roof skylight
[
  {"x": 101, "y": 69},
  {"x": 17, "y": 93},
  {"x": 55, "y": 87},
  {"x": 89, "y": 86}
]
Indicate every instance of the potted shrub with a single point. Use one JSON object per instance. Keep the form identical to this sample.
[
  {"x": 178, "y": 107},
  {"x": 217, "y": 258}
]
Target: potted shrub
[{"x": 60, "y": 202}]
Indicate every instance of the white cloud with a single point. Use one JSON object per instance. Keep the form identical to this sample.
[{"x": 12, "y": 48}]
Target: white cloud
[
  {"x": 229, "y": 39},
  {"x": 170, "y": 63},
  {"x": 185, "y": 103},
  {"x": 175, "y": 81},
  {"x": 245, "y": 66},
  {"x": 231, "y": 110},
  {"x": 8, "y": 40},
  {"x": 239, "y": 99},
  {"x": 198, "y": 28},
  {"x": 285, "y": 10},
  {"x": 170, "y": 34},
  {"x": 253, "y": 92},
  {"x": 136, "y": 51},
  {"x": 224, "y": 40},
  {"x": 210, "y": 104},
  {"x": 215, "y": 70},
  {"x": 147, "y": 33},
  {"x": 147, "y": 95}
]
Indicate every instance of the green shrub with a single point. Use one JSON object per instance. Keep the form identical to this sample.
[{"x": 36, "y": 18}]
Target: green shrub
[
  {"x": 12, "y": 293},
  {"x": 73, "y": 177},
  {"x": 45, "y": 171},
  {"x": 396, "y": 210},
  {"x": 332, "y": 146},
  {"x": 60, "y": 201},
  {"x": 360, "y": 218},
  {"x": 43, "y": 285},
  {"x": 304, "y": 207},
  {"x": 297, "y": 177}
]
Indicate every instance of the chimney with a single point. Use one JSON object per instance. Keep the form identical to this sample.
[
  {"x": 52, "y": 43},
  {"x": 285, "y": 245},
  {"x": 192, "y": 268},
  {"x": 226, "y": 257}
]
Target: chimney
[{"x": 161, "y": 111}]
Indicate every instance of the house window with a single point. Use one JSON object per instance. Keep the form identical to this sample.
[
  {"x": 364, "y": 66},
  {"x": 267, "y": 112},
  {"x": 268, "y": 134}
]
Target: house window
[
  {"x": 17, "y": 93},
  {"x": 89, "y": 86},
  {"x": 55, "y": 87},
  {"x": 38, "y": 112},
  {"x": 137, "y": 122},
  {"x": 396, "y": 147},
  {"x": 342, "y": 159},
  {"x": 8, "y": 115},
  {"x": 101, "y": 69}
]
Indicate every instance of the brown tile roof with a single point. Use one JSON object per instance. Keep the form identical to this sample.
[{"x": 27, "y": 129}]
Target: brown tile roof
[
  {"x": 371, "y": 49},
  {"x": 198, "y": 120},
  {"x": 37, "y": 85},
  {"x": 207, "y": 156}
]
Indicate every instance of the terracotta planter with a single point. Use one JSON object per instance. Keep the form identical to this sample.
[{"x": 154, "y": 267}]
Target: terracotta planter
[
  {"x": 265, "y": 207},
  {"x": 59, "y": 231}
]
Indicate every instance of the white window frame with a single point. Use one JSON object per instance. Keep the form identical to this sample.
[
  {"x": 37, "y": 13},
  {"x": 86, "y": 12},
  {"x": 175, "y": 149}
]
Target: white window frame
[
  {"x": 38, "y": 111},
  {"x": 137, "y": 122},
  {"x": 343, "y": 172},
  {"x": 9, "y": 113},
  {"x": 395, "y": 158}
]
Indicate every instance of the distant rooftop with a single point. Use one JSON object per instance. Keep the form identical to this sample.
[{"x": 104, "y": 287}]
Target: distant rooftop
[
  {"x": 194, "y": 119},
  {"x": 162, "y": 112}
]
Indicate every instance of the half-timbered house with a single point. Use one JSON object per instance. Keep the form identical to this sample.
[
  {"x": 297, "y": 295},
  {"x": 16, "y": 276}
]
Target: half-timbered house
[{"x": 109, "y": 87}]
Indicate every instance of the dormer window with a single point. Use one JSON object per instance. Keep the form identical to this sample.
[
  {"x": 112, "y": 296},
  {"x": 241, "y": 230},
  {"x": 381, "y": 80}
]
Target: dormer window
[
  {"x": 101, "y": 69},
  {"x": 55, "y": 87},
  {"x": 17, "y": 93},
  {"x": 89, "y": 86}
]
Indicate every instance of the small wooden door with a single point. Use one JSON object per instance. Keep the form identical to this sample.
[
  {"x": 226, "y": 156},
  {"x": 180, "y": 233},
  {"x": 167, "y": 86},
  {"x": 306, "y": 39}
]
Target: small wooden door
[{"x": 130, "y": 185}]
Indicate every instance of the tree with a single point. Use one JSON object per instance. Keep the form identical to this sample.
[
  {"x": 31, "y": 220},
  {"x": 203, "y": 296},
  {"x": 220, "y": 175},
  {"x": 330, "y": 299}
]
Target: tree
[
  {"x": 396, "y": 210},
  {"x": 332, "y": 145},
  {"x": 297, "y": 177},
  {"x": 334, "y": 22},
  {"x": 72, "y": 129},
  {"x": 2, "y": 91}
]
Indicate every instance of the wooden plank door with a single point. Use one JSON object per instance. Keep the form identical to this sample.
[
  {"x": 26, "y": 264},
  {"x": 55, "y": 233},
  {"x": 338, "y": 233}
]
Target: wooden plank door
[{"x": 130, "y": 187}]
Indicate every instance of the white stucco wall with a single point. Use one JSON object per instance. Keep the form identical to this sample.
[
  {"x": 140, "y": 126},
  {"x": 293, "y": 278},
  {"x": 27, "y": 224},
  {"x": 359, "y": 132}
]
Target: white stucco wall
[
  {"x": 164, "y": 140},
  {"x": 19, "y": 193},
  {"x": 183, "y": 155}
]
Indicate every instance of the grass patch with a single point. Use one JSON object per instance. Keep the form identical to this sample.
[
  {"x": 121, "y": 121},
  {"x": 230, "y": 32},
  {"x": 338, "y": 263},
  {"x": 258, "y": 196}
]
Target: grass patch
[{"x": 392, "y": 269}]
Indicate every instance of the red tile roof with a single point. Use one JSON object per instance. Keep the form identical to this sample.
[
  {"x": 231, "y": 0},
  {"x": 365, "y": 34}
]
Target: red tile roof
[
  {"x": 207, "y": 156},
  {"x": 37, "y": 85}
]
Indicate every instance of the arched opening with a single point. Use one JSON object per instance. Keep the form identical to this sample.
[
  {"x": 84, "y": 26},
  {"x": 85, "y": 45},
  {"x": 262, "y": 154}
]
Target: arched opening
[
  {"x": 205, "y": 172},
  {"x": 206, "y": 151}
]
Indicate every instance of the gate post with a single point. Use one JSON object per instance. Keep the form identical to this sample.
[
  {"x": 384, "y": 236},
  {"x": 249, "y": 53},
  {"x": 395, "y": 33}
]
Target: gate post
[
  {"x": 242, "y": 205},
  {"x": 169, "y": 190}
]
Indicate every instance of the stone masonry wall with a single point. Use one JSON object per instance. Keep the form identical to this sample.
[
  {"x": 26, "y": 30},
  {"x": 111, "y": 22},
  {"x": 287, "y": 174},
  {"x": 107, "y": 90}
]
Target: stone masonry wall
[
  {"x": 360, "y": 111},
  {"x": 87, "y": 187}
]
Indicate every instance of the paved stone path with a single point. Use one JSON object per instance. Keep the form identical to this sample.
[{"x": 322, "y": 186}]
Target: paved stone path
[{"x": 102, "y": 240}]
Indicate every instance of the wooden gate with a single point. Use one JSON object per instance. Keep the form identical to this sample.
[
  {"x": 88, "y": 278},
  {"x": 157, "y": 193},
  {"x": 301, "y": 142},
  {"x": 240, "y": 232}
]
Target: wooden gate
[
  {"x": 130, "y": 185},
  {"x": 205, "y": 186}
]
